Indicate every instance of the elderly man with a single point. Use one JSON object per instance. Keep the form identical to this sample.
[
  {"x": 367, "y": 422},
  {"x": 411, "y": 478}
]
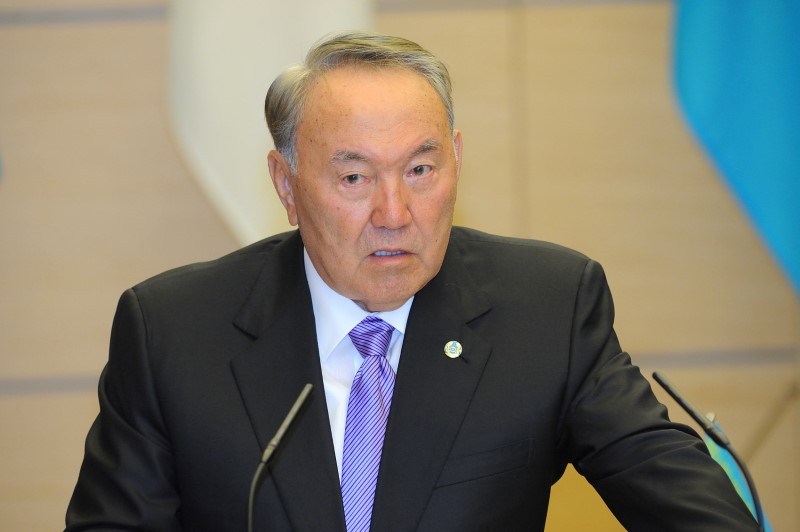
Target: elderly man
[{"x": 456, "y": 373}]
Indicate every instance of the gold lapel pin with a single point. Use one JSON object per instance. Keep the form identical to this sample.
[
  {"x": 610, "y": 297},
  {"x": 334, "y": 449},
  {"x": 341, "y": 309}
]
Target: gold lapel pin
[{"x": 452, "y": 349}]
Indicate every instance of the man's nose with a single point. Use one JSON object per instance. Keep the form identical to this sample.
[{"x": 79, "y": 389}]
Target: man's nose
[{"x": 392, "y": 204}]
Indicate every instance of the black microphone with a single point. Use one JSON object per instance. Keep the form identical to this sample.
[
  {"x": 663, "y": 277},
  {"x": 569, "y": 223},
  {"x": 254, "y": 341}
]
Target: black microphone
[
  {"x": 718, "y": 436},
  {"x": 271, "y": 446}
]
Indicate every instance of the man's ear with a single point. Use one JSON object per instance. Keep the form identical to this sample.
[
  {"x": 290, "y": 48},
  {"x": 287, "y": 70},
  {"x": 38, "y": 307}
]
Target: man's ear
[
  {"x": 457, "y": 145},
  {"x": 282, "y": 180}
]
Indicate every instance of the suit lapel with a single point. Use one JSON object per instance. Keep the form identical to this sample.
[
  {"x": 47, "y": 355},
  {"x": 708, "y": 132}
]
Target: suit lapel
[
  {"x": 283, "y": 358},
  {"x": 430, "y": 399},
  {"x": 431, "y": 395}
]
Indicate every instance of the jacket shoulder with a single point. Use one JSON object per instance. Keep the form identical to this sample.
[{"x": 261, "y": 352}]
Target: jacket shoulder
[
  {"x": 218, "y": 284},
  {"x": 241, "y": 263},
  {"x": 502, "y": 249}
]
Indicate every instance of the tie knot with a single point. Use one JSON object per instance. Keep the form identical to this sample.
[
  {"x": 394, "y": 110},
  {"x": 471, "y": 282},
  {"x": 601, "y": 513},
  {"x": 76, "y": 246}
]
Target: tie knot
[{"x": 371, "y": 336}]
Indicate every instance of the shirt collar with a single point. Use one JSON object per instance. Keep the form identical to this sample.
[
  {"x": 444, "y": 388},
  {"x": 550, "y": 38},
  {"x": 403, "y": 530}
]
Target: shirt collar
[{"x": 336, "y": 315}]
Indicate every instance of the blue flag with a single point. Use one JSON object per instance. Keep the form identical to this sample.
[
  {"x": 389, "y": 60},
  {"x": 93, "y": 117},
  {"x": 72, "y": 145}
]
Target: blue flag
[{"x": 737, "y": 75}]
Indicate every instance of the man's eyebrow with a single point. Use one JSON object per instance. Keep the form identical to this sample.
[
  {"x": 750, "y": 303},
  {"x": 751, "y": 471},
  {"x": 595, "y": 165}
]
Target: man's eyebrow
[
  {"x": 345, "y": 156},
  {"x": 427, "y": 146}
]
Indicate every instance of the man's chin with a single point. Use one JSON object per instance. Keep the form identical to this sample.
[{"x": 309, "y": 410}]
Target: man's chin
[
  {"x": 386, "y": 288},
  {"x": 386, "y": 301}
]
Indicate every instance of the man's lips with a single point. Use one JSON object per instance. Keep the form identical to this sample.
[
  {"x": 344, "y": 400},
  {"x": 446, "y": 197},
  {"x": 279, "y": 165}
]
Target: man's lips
[{"x": 384, "y": 253}]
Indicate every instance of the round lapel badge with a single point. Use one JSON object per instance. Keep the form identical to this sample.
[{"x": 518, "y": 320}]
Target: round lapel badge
[{"x": 452, "y": 349}]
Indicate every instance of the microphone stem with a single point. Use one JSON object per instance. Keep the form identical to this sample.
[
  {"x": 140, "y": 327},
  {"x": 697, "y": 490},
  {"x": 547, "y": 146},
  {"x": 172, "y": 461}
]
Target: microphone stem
[
  {"x": 751, "y": 485},
  {"x": 252, "y": 495},
  {"x": 271, "y": 446},
  {"x": 719, "y": 438}
]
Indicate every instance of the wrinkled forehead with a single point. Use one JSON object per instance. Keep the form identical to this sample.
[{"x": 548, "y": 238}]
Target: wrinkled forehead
[{"x": 380, "y": 114}]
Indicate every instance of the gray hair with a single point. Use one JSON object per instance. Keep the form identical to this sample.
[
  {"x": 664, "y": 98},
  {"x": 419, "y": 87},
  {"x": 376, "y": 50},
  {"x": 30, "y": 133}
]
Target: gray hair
[{"x": 286, "y": 96}]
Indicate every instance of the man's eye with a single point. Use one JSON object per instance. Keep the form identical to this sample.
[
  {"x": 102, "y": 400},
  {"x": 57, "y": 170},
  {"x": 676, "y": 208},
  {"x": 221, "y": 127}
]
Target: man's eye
[
  {"x": 353, "y": 179},
  {"x": 420, "y": 170}
]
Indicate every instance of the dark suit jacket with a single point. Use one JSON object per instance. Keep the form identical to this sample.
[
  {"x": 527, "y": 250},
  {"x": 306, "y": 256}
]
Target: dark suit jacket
[{"x": 206, "y": 360}]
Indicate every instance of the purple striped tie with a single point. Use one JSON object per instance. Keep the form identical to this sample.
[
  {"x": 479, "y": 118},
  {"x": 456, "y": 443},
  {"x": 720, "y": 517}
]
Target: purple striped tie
[{"x": 365, "y": 425}]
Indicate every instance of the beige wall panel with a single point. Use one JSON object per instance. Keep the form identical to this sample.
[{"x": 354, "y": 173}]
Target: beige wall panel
[
  {"x": 776, "y": 467},
  {"x": 475, "y": 47},
  {"x": 42, "y": 449},
  {"x": 93, "y": 197},
  {"x": 58, "y": 5},
  {"x": 615, "y": 173}
]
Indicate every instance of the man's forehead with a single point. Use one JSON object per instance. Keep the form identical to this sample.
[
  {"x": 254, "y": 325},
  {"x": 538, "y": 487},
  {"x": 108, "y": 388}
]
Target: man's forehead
[
  {"x": 346, "y": 80},
  {"x": 350, "y": 106}
]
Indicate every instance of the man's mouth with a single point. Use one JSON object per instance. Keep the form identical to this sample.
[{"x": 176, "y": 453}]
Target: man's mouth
[{"x": 388, "y": 253}]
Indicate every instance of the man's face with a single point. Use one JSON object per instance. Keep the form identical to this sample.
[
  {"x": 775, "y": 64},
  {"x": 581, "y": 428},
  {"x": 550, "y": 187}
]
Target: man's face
[{"x": 376, "y": 183}]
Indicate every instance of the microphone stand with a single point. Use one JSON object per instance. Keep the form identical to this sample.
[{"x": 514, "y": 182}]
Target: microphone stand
[
  {"x": 715, "y": 433},
  {"x": 271, "y": 446}
]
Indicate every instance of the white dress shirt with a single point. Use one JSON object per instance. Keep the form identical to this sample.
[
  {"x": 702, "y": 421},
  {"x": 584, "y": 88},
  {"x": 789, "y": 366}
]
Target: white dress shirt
[{"x": 335, "y": 316}]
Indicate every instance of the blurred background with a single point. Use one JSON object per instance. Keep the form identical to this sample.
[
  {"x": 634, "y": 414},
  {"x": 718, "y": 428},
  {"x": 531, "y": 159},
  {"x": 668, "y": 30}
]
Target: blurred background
[{"x": 132, "y": 141}]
